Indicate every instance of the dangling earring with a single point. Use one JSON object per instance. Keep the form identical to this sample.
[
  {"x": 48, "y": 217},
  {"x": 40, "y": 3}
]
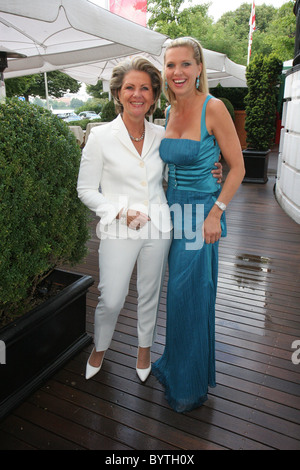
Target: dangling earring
[
  {"x": 198, "y": 83},
  {"x": 166, "y": 85}
]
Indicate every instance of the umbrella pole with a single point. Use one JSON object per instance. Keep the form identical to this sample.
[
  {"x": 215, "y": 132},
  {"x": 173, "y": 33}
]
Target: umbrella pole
[
  {"x": 3, "y": 65},
  {"x": 2, "y": 88},
  {"x": 46, "y": 89}
]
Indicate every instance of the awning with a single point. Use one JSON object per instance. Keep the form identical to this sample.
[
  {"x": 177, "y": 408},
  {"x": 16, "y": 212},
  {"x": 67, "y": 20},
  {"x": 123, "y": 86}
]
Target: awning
[
  {"x": 59, "y": 34},
  {"x": 220, "y": 69},
  {"x": 86, "y": 41}
]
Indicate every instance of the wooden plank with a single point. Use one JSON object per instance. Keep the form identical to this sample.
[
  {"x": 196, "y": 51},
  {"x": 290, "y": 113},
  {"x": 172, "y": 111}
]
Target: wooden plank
[
  {"x": 29, "y": 432},
  {"x": 256, "y": 404}
]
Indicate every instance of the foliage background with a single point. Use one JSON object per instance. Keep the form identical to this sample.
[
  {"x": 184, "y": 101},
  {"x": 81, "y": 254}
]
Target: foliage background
[{"x": 275, "y": 28}]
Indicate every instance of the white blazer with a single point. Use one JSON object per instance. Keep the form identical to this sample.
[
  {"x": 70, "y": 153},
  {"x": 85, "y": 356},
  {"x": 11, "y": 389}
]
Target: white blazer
[{"x": 113, "y": 176}]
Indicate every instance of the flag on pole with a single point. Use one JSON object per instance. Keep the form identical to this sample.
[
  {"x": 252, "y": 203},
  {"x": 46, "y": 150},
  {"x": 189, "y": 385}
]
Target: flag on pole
[
  {"x": 252, "y": 28},
  {"x": 134, "y": 10}
]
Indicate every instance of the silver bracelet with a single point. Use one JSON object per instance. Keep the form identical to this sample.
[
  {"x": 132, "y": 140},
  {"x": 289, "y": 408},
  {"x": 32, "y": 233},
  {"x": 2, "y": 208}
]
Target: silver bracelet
[{"x": 221, "y": 205}]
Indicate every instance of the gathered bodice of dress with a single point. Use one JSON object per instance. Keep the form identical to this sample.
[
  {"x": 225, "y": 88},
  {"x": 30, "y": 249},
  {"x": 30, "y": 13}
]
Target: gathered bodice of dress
[{"x": 190, "y": 162}]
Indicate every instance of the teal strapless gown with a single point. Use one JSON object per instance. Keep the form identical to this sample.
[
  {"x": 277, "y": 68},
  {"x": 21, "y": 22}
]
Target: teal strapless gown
[{"x": 187, "y": 366}]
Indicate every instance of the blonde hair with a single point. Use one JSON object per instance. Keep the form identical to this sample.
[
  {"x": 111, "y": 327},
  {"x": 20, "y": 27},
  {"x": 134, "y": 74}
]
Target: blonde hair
[
  {"x": 142, "y": 65},
  {"x": 199, "y": 58}
]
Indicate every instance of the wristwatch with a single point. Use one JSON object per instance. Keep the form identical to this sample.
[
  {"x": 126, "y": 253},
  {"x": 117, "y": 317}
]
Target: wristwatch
[{"x": 221, "y": 205}]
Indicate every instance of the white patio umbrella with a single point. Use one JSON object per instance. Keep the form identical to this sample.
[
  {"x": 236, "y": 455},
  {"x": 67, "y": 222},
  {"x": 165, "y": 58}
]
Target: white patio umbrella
[
  {"x": 86, "y": 41},
  {"x": 59, "y": 34},
  {"x": 220, "y": 69}
]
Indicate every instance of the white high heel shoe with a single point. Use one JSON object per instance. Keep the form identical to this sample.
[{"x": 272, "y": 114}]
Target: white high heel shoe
[
  {"x": 91, "y": 370},
  {"x": 143, "y": 374}
]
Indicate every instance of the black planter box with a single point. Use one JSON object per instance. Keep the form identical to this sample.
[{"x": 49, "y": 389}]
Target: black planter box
[
  {"x": 41, "y": 341},
  {"x": 256, "y": 166}
]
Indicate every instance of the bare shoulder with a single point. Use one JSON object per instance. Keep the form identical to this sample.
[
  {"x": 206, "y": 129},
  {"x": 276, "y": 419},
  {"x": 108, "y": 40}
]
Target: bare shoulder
[
  {"x": 217, "y": 116},
  {"x": 216, "y": 106}
]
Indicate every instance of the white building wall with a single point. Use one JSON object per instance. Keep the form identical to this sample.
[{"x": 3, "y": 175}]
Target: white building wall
[{"x": 288, "y": 171}]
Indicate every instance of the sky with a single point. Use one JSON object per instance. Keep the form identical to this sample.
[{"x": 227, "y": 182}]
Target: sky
[{"x": 219, "y": 7}]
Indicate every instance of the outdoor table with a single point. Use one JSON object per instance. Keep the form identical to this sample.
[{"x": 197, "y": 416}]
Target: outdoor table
[
  {"x": 79, "y": 134},
  {"x": 160, "y": 122},
  {"x": 89, "y": 127}
]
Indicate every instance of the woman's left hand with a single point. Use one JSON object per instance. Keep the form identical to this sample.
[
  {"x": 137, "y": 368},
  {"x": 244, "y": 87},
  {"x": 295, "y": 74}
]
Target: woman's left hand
[
  {"x": 212, "y": 228},
  {"x": 136, "y": 219}
]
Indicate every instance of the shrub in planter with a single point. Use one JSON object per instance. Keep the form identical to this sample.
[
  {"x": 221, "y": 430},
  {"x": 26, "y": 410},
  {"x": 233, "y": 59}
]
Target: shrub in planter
[
  {"x": 263, "y": 76},
  {"x": 43, "y": 223}
]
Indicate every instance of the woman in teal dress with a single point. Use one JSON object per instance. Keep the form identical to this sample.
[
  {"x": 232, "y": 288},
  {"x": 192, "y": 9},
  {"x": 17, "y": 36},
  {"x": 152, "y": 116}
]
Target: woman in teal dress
[{"x": 198, "y": 127}]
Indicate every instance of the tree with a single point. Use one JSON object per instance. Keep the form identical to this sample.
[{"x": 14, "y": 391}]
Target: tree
[
  {"x": 275, "y": 32},
  {"x": 220, "y": 40},
  {"x": 18, "y": 86},
  {"x": 97, "y": 90},
  {"x": 231, "y": 32},
  {"x": 194, "y": 21},
  {"x": 168, "y": 17},
  {"x": 164, "y": 16},
  {"x": 76, "y": 103},
  {"x": 279, "y": 36},
  {"x": 275, "y": 28},
  {"x": 58, "y": 84}
]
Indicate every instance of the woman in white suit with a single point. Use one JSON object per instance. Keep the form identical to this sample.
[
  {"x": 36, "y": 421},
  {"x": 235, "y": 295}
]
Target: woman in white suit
[{"x": 122, "y": 159}]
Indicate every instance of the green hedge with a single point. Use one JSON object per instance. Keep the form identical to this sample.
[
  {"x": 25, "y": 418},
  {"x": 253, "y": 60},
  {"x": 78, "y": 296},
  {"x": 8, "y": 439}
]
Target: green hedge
[
  {"x": 236, "y": 96},
  {"x": 263, "y": 78},
  {"x": 83, "y": 122},
  {"x": 43, "y": 223}
]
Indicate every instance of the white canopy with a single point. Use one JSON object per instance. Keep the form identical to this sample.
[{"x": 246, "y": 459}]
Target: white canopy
[
  {"x": 220, "y": 69},
  {"x": 59, "y": 34},
  {"x": 86, "y": 41}
]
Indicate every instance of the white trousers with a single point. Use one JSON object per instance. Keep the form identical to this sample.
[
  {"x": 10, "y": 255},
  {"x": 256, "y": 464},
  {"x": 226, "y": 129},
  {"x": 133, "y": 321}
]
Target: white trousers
[{"x": 117, "y": 258}]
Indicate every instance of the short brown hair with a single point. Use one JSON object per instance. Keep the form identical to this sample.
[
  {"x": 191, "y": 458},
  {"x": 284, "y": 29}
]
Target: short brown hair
[{"x": 142, "y": 65}]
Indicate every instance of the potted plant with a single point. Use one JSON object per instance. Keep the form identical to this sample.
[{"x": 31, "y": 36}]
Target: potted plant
[
  {"x": 263, "y": 75},
  {"x": 43, "y": 226}
]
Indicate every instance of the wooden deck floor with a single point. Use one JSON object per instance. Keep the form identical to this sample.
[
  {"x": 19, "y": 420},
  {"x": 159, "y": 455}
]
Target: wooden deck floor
[{"x": 256, "y": 404}]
